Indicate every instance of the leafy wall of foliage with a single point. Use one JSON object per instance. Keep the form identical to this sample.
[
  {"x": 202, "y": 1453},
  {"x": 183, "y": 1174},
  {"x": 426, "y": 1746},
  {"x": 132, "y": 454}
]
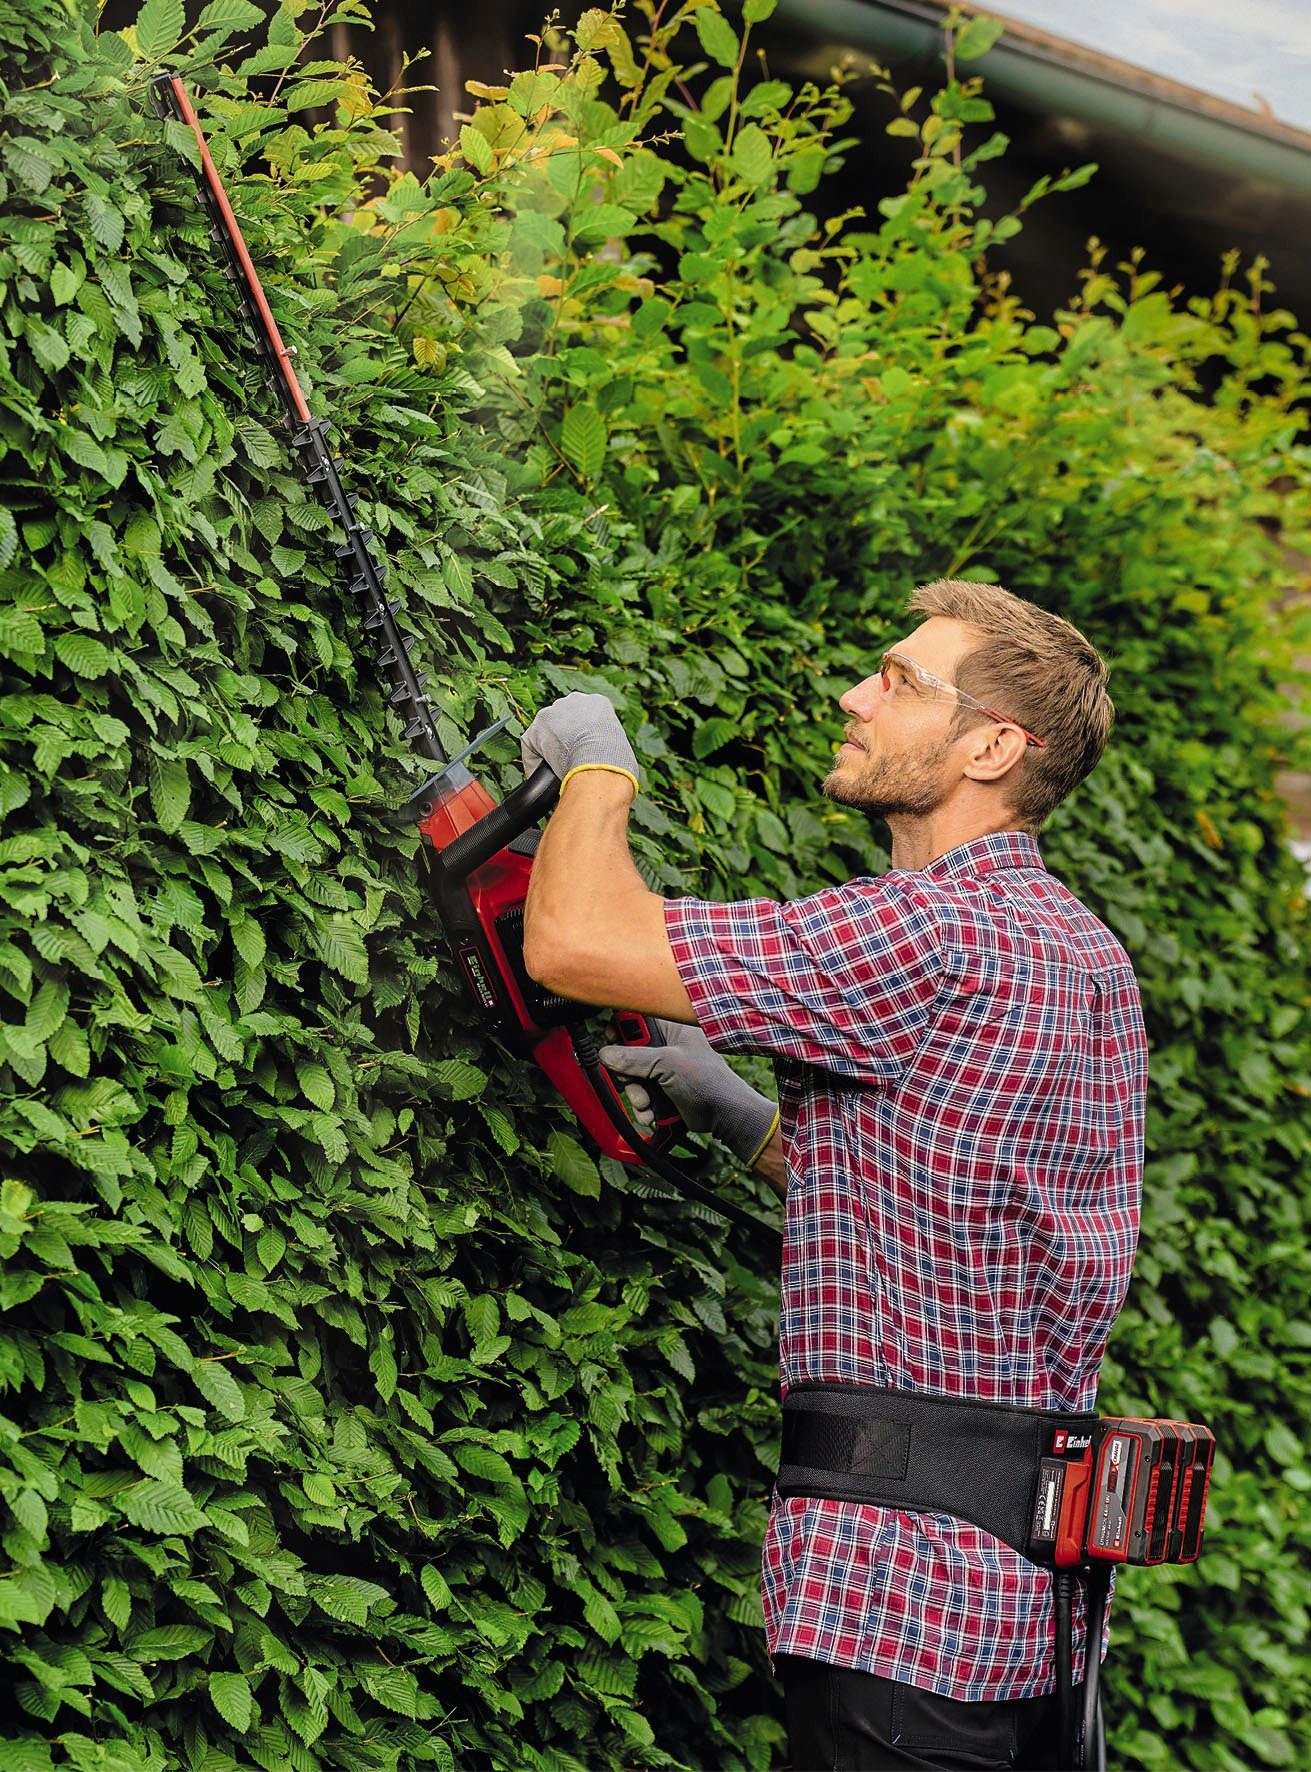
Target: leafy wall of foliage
[{"x": 351, "y": 1416}]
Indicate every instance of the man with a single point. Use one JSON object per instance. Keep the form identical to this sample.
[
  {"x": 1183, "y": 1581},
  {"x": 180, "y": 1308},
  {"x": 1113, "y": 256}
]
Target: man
[{"x": 962, "y": 1065}]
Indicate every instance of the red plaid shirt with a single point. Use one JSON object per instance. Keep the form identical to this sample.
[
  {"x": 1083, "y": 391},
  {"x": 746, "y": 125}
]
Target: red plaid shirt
[{"x": 962, "y": 1068}]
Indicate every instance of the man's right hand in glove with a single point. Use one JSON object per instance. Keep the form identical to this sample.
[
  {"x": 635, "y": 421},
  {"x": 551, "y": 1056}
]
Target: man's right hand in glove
[{"x": 703, "y": 1087}]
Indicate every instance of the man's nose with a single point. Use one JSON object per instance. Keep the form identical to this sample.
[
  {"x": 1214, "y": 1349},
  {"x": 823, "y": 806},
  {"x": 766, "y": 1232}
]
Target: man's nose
[{"x": 862, "y": 698}]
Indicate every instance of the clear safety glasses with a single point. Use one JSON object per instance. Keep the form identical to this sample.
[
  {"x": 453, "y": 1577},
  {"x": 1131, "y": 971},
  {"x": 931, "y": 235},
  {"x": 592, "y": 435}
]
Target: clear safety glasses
[{"x": 897, "y": 671}]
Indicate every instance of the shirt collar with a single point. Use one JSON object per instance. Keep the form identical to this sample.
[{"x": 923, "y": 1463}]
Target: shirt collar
[{"x": 984, "y": 855}]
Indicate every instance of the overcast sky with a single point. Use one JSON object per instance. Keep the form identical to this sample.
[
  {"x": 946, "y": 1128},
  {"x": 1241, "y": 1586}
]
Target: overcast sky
[{"x": 1234, "y": 48}]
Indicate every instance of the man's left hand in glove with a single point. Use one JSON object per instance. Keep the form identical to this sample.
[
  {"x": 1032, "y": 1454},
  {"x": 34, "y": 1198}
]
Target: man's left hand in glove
[{"x": 703, "y": 1086}]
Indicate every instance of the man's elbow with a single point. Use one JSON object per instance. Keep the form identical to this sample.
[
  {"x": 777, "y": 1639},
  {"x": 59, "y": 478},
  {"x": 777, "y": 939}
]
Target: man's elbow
[{"x": 546, "y": 958}]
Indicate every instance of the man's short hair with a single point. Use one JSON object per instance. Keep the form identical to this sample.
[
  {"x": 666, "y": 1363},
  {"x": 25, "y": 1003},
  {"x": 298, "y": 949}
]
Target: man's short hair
[{"x": 1036, "y": 668}]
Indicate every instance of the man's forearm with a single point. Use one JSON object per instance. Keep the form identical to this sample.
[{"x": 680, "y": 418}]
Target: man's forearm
[{"x": 584, "y": 879}]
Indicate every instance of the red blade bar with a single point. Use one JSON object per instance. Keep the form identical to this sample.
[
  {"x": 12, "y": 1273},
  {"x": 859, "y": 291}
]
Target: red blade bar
[{"x": 233, "y": 229}]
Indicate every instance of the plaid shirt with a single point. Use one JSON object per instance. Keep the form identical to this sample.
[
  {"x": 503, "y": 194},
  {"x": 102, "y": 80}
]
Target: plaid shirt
[{"x": 962, "y": 1067}]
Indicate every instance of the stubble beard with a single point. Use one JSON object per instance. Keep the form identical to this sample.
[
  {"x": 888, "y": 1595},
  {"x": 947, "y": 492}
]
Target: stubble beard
[{"x": 908, "y": 786}]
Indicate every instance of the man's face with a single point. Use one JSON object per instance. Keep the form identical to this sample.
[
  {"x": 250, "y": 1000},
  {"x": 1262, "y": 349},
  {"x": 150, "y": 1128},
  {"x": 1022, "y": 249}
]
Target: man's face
[{"x": 897, "y": 758}]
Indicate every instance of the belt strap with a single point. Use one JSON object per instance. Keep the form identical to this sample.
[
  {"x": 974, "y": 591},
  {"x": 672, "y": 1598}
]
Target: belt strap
[{"x": 976, "y": 1461}]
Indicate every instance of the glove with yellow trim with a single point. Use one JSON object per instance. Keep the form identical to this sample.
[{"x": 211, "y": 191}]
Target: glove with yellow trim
[
  {"x": 578, "y": 732},
  {"x": 703, "y": 1086}
]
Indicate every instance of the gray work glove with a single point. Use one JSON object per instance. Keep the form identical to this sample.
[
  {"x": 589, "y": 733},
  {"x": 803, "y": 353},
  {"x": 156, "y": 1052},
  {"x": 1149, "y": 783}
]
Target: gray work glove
[
  {"x": 578, "y": 732},
  {"x": 705, "y": 1089}
]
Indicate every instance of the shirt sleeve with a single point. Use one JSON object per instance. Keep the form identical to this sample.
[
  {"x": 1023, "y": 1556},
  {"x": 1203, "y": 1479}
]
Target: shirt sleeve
[{"x": 844, "y": 980}]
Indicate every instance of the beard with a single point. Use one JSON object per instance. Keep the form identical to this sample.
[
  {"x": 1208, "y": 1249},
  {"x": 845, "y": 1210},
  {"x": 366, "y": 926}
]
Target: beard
[{"x": 910, "y": 785}]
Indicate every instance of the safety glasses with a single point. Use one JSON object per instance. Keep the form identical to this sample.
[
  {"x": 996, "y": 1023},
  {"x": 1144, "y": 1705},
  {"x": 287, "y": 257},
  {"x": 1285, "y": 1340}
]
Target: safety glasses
[{"x": 898, "y": 672}]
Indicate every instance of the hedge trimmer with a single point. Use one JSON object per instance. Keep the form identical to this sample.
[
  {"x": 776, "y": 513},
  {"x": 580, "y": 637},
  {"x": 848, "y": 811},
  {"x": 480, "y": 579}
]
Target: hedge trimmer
[{"x": 479, "y": 852}]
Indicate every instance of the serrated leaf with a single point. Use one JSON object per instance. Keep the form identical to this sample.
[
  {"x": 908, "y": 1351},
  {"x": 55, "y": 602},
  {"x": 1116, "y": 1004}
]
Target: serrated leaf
[
  {"x": 436, "y": 1588},
  {"x": 573, "y": 1165},
  {"x": 316, "y": 1085},
  {"x": 340, "y": 945},
  {"x": 159, "y": 24},
  {"x": 116, "y": 1599},
  {"x": 171, "y": 1642},
  {"x": 230, "y": 1694},
  {"x": 457, "y": 1079},
  {"x": 84, "y": 656},
  {"x": 483, "y": 1315},
  {"x": 601, "y": 1615},
  {"x": 161, "y": 1507},
  {"x": 482, "y": 1461},
  {"x": 170, "y": 791},
  {"x": 25, "y": 1753},
  {"x": 229, "y": 15},
  {"x": 103, "y": 218},
  {"x": 582, "y": 438},
  {"x": 382, "y": 1364},
  {"x": 476, "y": 148},
  {"x": 217, "y": 1385},
  {"x": 20, "y": 632}
]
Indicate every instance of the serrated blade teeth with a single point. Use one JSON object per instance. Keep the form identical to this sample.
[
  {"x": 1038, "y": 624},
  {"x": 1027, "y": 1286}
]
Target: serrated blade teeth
[
  {"x": 405, "y": 693},
  {"x": 375, "y": 617}
]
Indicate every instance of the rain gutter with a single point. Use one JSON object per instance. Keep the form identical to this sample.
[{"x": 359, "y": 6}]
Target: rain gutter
[{"x": 1056, "y": 77}]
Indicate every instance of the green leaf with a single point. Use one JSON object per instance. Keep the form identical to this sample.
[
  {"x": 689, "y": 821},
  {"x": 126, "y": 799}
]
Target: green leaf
[
  {"x": 103, "y": 218},
  {"x": 171, "y": 1642},
  {"x": 116, "y": 1599},
  {"x": 84, "y": 656},
  {"x": 571, "y": 1163},
  {"x": 159, "y": 25},
  {"x": 476, "y": 148},
  {"x": 20, "y": 631},
  {"x": 230, "y": 1694},
  {"x": 582, "y": 437},
  {"x": 170, "y": 791},
  {"x": 166, "y": 1508},
  {"x": 976, "y": 36},
  {"x": 482, "y": 1461},
  {"x": 340, "y": 945},
  {"x": 435, "y": 1586},
  {"x": 718, "y": 38},
  {"x": 601, "y": 1615},
  {"x": 752, "y": 158},
  {"x": 316, "y": 1085},
  {"x": 457, "y": 1079},
  {"x": 25, "y": 1753},
  {"x": 217, "y": 1385},
  {"x": 229, "y": 15}
]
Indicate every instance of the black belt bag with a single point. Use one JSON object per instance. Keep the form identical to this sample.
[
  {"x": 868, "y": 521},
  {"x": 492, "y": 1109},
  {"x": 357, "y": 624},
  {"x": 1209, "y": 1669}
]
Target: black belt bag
[{"x": 977, "y": 1461}]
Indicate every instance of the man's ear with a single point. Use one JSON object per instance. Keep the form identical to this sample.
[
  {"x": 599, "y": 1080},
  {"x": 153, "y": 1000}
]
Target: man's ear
[{"x": 993, "y": 752}]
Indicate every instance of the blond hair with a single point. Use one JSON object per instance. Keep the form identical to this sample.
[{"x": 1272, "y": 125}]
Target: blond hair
[{"x": 1038, "y": 669}]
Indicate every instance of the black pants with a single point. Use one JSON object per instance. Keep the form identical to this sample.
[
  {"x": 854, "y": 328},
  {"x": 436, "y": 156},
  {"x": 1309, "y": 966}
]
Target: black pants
[{"x": 842, "y": 1720}]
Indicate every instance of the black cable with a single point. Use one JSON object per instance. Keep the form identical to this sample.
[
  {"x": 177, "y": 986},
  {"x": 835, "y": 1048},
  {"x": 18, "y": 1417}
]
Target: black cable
[
  {"x": 1094, "y": 1734},
  {"x": 1064, "y": 1596}
]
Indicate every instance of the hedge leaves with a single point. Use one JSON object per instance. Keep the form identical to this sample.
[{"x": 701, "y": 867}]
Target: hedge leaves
[{"x": 352, "y": 1414}]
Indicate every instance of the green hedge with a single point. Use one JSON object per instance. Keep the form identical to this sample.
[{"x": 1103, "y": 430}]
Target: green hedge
[{"x": 352, "y": 1416}]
